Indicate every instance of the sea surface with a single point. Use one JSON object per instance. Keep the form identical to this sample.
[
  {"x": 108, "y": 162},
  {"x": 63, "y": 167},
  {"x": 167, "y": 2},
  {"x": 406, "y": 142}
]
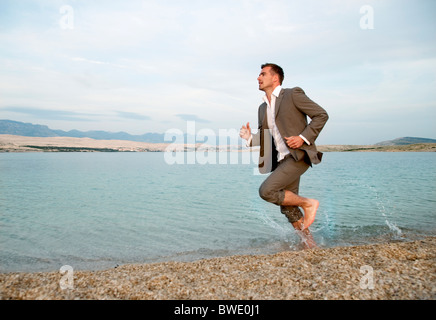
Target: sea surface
[{"x": 100, "y": 210}]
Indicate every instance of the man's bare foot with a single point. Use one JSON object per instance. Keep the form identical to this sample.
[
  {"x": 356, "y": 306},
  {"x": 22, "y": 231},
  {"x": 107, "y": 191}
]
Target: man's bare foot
[{"x": 310, "y": 213}]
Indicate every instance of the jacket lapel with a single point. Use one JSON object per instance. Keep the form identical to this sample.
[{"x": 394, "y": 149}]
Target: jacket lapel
[{"x": 278, "y": 102}]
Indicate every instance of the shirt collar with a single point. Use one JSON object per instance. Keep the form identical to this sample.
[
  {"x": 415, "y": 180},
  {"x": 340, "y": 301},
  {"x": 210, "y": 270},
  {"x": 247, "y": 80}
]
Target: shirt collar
[
  {"x": 277, "y": 90},
  {"x": 275, "y": 93}
]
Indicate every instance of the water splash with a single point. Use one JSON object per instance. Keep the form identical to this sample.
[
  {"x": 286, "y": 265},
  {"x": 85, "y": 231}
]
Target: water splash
[
  {"x": 386, "y": 213},
  {"x": 285, "y": 231},
  {"x": 323, "y": 232},
  {"x": 267, "y": 220}
]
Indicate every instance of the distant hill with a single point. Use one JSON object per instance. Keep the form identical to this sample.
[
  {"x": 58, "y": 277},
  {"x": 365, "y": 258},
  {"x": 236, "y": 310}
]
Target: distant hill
[
  {"x": 36, "y": 130},
  {"x": 405, "y": 141}
]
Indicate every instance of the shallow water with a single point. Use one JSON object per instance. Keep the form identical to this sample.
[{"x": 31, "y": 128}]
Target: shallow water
[{"x": 99, "y": 210}]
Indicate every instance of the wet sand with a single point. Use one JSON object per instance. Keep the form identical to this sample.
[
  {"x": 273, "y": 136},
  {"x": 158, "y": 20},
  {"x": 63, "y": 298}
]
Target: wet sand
[{"x": 391, "y": 271}]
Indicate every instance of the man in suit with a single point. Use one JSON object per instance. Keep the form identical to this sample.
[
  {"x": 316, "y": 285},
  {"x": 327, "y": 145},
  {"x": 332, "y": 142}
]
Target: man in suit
[{"x": 287, "y": 145}]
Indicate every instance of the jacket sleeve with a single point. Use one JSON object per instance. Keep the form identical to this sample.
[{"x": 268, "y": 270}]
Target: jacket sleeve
[
  {"x": 256, "y": 137},
  {"x": 316, "y": 113}
]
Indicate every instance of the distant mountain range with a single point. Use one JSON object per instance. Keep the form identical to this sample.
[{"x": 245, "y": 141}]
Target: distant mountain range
[{"x": 36, "y": 130}]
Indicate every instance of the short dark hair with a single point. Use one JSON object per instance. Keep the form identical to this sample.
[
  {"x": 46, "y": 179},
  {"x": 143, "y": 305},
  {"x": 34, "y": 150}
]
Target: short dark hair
[{"x": 276, "y": 69}]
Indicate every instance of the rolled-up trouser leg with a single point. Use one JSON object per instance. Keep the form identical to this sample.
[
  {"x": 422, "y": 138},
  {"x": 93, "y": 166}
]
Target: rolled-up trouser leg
[
  {"x": 293, "y": 213},
  {"x": 285, "y": 177}
]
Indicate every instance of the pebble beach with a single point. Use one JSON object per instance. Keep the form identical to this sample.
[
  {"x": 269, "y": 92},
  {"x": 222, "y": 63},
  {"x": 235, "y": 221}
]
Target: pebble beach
[{"x": 390, "y": 271}]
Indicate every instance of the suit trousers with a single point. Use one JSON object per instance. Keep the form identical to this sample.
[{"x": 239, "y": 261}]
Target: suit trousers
[{"x": 285, "y": 177}]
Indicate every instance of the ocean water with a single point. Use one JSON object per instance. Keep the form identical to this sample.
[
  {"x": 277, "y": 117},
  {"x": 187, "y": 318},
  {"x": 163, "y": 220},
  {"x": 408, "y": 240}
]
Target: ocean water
[{"x": 99, "y": 210}]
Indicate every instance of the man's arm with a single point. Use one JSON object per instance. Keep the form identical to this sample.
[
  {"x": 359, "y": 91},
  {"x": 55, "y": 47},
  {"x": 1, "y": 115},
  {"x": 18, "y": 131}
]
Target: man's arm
[{"x": 316, "y": 113}]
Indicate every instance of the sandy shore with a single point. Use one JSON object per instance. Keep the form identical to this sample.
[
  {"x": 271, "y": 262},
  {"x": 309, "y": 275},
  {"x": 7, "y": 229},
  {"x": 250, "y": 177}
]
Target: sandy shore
[
  {"x": 401, "y": 270},
  {"x": 12, "y": 143}
]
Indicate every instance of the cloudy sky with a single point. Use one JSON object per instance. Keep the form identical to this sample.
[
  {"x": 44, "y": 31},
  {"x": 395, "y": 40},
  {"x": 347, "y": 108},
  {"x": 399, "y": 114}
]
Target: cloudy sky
[{"x": 151, "y": 66}]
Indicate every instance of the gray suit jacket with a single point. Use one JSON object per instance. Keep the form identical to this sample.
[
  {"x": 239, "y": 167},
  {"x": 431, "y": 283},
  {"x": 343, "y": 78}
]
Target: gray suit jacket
[{"x": 292, "y": 107}]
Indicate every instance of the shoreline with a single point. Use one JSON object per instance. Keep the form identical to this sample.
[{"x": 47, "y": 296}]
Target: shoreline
[
  {"x": 389, "y": 271},
  {"x": 12, "y": 143}
]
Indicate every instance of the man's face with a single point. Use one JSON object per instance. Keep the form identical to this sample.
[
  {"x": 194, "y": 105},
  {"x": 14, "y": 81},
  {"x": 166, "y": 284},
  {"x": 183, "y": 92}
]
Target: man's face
[{"x": 266, "y": 79}]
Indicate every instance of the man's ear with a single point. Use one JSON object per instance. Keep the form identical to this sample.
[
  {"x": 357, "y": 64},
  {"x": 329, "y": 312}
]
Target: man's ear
[{"x": 276, "y": 78}]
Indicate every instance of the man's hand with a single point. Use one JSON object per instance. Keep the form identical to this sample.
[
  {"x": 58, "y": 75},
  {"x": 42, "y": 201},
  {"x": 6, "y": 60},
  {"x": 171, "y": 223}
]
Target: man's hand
[
  {"x": 245, "y": 132},
  {"x": 294, "y": 142}
]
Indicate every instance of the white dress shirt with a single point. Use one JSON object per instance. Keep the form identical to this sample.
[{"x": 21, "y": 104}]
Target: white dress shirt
[{"x": 281, "y": 147}]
